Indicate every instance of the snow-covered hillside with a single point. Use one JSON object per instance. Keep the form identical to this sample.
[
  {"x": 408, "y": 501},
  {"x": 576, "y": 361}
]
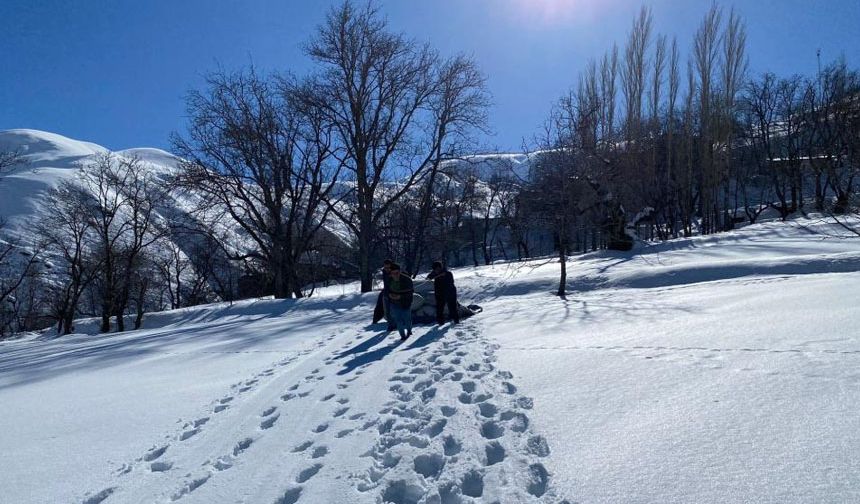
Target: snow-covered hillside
[
  {"x": 50, "y": 158},
  {"x": 715, "y": 369}
]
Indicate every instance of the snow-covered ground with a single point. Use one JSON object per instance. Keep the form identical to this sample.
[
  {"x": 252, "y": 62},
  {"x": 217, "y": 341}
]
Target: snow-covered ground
[{"x": 714, "y": 369}]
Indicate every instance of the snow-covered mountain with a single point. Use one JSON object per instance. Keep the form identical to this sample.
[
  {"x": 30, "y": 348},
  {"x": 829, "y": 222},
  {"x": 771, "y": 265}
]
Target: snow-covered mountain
[
  {"x": 48, "y": 159},
  {"x": 712, "y": 369}
]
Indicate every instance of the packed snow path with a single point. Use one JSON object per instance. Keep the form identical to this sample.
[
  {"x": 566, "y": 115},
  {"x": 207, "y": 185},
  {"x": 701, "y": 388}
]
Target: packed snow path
[{"x": 449, "y": 428}]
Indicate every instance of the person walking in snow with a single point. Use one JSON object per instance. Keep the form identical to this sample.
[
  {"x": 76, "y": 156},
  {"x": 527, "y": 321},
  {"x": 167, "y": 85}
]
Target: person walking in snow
[
  {"x": 445, "y": 292},
  {"x": 400, "y": 294}
]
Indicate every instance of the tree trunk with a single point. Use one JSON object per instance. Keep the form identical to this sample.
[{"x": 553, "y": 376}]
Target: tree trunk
[
  {"x": 562, "y": 279},
  {"x": 365, "y": 271}
]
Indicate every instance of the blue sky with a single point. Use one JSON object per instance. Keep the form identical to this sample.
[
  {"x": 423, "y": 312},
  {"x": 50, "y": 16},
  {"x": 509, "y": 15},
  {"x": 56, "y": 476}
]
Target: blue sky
[{"x": 114, "y": 72}]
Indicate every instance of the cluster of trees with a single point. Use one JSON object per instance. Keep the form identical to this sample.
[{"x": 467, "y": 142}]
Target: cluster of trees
[
  {"x": 289, "y": 181},
  {"x": 102, "y": 247},
  {"x": 702, "y": 146},
  {"x": 285, "y": 158}
]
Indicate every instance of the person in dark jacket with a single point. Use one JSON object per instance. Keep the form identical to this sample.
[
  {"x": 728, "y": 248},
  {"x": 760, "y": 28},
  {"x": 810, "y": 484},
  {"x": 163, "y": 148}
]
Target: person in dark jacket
[
  {"x": 445, "y": 292},
  {"x": 386, "y": 302},
  {"x": 400, "y": 294}
]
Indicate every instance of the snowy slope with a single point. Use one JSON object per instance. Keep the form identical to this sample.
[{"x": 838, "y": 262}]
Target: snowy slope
[
  {"x": 715, "y": 369},
  {"x": 273, "y": 399},
  {"x": 49, "y": 159}
]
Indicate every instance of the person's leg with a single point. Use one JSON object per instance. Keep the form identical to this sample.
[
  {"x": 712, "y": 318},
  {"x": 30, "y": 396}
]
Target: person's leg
[
  {"x": 454, "y": 309},
  {"x": 408, "y": 320},
  {"x": 389, "y": 317},
  {"x": 399, "y": 318},
  {"x": 440, "y": 309}
]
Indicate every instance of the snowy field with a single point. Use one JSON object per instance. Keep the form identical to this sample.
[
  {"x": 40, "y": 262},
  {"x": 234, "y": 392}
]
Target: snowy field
[{"x": 715, "y": 369}]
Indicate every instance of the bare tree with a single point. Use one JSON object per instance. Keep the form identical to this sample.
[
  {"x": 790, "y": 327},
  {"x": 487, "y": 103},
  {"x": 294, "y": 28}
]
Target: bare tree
[
  {"x": 733, "y": 70},
  {"x": 393, "y": 104},
  {"x": 18, "y": 265},
  {"x": 458, "y": 106},
  {"x": 608, "y": 94},
  {"x": 68, "y": 232},
  {"x": 261, "y": 155},
  {"x": 122, "y": 211},
  {"x": 706, "y": 46},
  {"x": 634, "y": 71}
]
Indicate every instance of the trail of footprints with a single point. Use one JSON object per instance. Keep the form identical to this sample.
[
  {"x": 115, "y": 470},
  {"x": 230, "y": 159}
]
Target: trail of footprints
[
  {"x": 450, "y": 463},
  {"x": 156, "y": 460},
  {"x": 437, "y": 408}
]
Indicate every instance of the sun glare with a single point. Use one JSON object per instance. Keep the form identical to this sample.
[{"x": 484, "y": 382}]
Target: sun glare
[{"x": 553, "y": 12}]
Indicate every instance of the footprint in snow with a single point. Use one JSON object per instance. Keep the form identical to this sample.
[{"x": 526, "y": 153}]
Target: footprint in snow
[
  {"x": 302, "y": 447},
  {"x": 191, "y": 486},
  {"x": 451, "y": 446},
  {"x": 100, "y": 496},
  {"x": 538, "y": 480},
  {"x": 435, "y": 428},
  {"x": 241, "y": 446},
  {"x": 525, "y": 402},
  {"x": 418, "y": 387},
  {"x": 518, "y": 421},
  {"x": 492, "y": 430},
  {"x": 160, "y": 466},
  {"x": 269, "y": 422},
  {"x": 189, "y": 434},
  {"x": 495, "y": 453},
  {"x": 429, "y": 466},
  {"x": 472, "y": 484},
  {"x": 487, "y": 409},
  {"x": 320, "y": 428},
  {"x": 155, "y": 454},
  {"x": 319, "y": 451},
  {"x": 291, "y": 496},
  {"x": 308, "y": 473},
  {"x": 448, "y": 411},
  {"x": 538, "y": 446},
  {"x": 428, "y": 395}
]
